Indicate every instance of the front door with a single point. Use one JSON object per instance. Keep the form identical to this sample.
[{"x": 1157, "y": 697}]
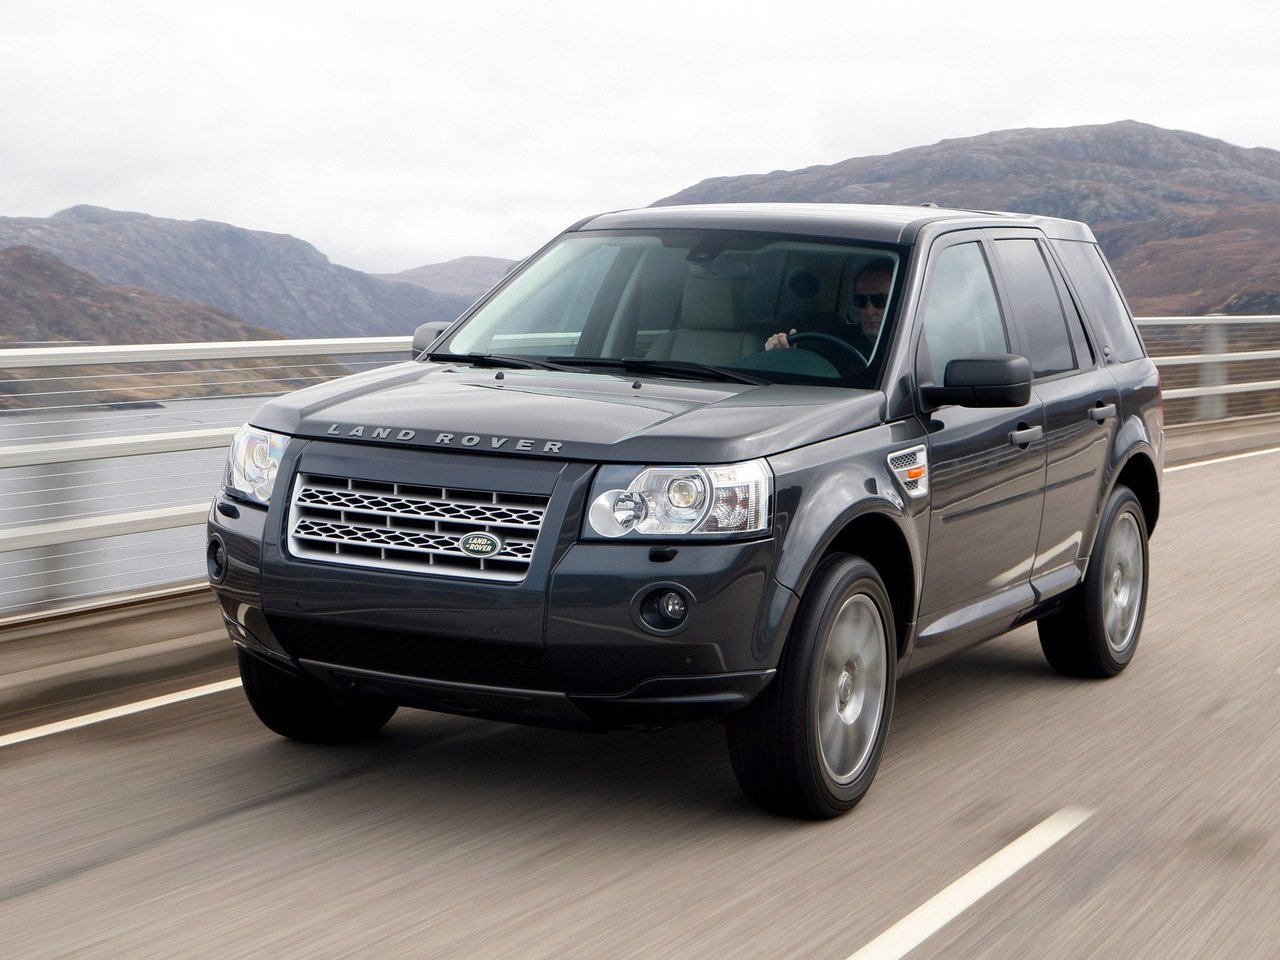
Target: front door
[{"x": 986, "y": 465}]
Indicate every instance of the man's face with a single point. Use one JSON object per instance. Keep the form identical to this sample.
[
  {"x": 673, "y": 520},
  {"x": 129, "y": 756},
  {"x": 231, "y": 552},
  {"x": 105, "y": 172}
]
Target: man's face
[{"x": 867, "y": 289}]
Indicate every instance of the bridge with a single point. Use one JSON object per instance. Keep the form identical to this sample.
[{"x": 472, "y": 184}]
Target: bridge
[{"x": 1016, "y": 813}]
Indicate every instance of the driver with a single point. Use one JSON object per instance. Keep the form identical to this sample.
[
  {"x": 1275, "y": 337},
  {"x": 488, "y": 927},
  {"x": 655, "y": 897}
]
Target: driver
[{"x": 867, "y": 301}]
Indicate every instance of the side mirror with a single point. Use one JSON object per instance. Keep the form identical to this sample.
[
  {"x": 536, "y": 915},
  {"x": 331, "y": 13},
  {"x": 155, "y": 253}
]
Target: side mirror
[
  {"x": 988, "y": 380},
  {"x": 426, "y": 335}
]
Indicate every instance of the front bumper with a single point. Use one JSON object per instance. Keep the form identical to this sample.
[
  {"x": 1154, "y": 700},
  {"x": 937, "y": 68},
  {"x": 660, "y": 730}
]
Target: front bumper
[{"x": 564, "y": 647}]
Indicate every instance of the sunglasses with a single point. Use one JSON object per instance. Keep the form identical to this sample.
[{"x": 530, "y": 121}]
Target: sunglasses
[{"x": 878, "y": 300}]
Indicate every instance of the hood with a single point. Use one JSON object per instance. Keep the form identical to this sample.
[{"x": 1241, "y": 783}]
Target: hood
[{"x": 569, "y": 415}]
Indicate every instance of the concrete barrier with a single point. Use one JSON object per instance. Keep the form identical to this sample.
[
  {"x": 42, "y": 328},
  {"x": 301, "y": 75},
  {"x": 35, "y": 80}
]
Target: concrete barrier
[{"x": 60, "y": 659}]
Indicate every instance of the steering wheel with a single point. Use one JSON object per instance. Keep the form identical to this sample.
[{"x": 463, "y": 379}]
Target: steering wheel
[{"x": 828, "y": 338}]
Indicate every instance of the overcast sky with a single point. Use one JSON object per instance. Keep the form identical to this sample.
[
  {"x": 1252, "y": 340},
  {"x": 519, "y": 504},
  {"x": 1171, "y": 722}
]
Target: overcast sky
[{"x": 392, "y": 135}]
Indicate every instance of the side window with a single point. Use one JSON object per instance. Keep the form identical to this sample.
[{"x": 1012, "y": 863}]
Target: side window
[
  {"x": 1036, "y": 308},
  {"x": 1085, "y": 356},
  {"x": 961, "y": 314},
  {"x": 1100, "y": 299}
]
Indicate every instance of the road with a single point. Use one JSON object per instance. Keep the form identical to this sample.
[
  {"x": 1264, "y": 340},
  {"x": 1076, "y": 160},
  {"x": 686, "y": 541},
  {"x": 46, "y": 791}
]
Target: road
[{"x": 190, "y": 831}]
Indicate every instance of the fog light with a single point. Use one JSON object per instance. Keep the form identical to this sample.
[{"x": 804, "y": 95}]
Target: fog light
[
  {"x": 672, "y": 606},
  {"x": 662, "y": 608},
  {"x": 215, "y": 557}
]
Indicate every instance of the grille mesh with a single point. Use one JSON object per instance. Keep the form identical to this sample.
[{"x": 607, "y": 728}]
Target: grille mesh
[
  {"x": 901, "y": 461},
  {"x": 412, "y": 527}
]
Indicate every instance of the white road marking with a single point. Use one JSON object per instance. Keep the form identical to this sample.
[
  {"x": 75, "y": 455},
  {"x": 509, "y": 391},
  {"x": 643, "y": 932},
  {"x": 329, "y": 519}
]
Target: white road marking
[
  {"x": 75, "y": 723},
  {"x": 1235, "y": 456},
  {"x": 922, "y": 923}
]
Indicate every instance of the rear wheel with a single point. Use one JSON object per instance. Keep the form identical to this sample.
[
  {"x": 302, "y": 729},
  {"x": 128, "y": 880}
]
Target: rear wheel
[
  {"x": 1097, "y": 632},
  {"x": 810, "y": 744},
  {"x": 297, "y": 707}
]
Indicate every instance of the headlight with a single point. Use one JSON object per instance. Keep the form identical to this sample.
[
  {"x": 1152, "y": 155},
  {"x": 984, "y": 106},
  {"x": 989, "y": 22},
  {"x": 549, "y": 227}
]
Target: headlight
[
  {"x": 252, "y": 463},
  {"x": 721, "y": 501}
]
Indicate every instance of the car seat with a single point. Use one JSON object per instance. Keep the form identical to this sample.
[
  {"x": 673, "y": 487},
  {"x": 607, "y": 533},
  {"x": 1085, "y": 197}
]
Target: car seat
[{"x": 708, "y": 330}]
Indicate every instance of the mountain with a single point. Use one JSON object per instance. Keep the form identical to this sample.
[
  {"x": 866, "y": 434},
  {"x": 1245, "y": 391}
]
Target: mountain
[
  {"x": 1190, "y": 224},
  {"x": 468, "y": 277},
  {"x": 43, "y": 299},
  {"x": 270, "y": 279}
]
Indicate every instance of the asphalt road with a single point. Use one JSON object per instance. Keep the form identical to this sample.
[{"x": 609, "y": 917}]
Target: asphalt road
[{"x": 190, "y": 831}]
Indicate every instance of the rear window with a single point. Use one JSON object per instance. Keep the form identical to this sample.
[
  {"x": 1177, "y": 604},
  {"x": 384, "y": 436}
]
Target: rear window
[
  {"x": 1100, "y": 299},
  {"x": 1036, "y": 307}
]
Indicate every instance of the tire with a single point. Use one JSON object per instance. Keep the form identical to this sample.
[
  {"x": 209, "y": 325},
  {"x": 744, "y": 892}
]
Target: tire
[
  {"x": 1096, "y": 633},
  {"x": 297, "y": 707},
  {"x": 810, "y": 744}
]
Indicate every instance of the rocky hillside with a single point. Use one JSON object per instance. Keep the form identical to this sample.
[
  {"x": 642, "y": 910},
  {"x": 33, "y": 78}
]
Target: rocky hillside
[
  {"x": 272, "y": 280},
  {"x": 1191, "y": 224},
  {"x": 467, "y": 277},
  {"x": 43, "y": 299}
]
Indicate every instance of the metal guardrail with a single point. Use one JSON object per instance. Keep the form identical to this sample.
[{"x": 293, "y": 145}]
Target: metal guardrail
[
  {"x": 20, "y": 357},
  {"x": 109, "y": 454},
  {"x": 1215, "y": 362},
  {"x": 70, "y": 526}
]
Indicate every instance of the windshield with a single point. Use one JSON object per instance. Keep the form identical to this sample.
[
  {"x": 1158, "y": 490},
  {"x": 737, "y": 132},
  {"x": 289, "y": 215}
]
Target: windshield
[{"x": 712, "y": 298}]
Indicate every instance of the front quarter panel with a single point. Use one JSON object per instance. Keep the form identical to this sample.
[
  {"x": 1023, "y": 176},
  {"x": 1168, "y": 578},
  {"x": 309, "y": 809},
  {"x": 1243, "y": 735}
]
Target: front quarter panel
[{"x": 821, "y": 488}]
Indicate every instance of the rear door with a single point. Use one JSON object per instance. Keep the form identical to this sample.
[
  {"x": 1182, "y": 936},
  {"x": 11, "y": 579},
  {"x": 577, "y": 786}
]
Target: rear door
[{"x": 1079, "y": 396}]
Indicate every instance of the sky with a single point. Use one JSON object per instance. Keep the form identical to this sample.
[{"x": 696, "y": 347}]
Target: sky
[{"x": 397, "y": 134}]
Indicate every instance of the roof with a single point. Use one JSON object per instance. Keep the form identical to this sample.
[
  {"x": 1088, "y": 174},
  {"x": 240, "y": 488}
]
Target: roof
[{"x": 876, "y": 222}]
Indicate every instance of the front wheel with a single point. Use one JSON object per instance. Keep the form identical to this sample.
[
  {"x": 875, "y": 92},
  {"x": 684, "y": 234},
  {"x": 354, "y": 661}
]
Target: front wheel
[
  {"x": 810, "y": 744},
  {"x": 297, "y": 707},
  {"x": 1096, "y": 633}
]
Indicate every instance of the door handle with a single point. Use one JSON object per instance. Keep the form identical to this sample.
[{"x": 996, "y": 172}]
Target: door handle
[
  {"x": 1024, "y": 436},
  {"x": 1102, "y": 412}
]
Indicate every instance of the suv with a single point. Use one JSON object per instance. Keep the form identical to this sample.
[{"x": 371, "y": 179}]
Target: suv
[{"x": 599, "y": 500}]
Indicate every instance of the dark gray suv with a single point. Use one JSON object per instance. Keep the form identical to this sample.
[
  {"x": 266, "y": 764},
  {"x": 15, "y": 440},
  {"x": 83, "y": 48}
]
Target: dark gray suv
[{"x": 743, "y": 462}]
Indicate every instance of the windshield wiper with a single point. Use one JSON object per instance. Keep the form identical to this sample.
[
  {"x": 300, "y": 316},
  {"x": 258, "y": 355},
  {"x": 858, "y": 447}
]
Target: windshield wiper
[
  {"x": 684, "y": 368},
  {"x": 493, "y": 360}
]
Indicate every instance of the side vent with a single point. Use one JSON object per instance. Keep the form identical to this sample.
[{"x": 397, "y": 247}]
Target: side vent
[{"x": 911, "y": 468}]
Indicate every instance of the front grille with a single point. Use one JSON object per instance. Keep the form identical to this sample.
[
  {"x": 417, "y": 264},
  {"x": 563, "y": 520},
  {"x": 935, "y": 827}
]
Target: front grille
[
  {"x": 412, "y": 527},
  {"x": 415, "y": 655}
]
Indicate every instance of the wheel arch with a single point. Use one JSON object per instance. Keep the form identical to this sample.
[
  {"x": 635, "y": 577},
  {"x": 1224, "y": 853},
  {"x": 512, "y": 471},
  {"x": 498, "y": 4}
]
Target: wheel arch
[
  {"x": 877, "y": 538},
  {"x": 1139, "y": 475}
]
